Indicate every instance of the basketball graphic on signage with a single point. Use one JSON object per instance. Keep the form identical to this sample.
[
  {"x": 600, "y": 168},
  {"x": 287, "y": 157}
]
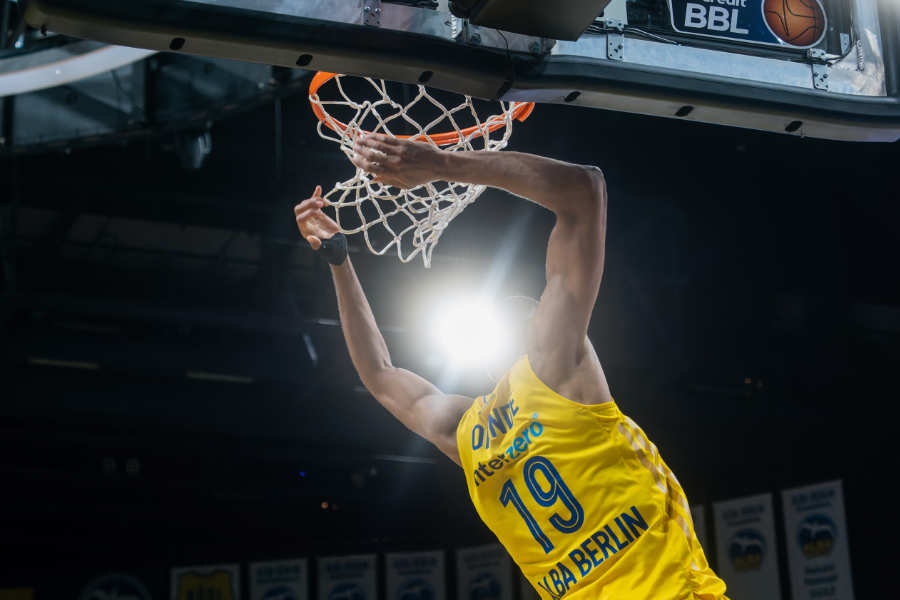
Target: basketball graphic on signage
[{"x": 795, "y": 22}]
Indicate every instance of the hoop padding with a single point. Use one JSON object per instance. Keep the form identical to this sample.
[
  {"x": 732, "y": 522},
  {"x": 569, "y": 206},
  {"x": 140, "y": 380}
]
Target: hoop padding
[{"x": 410, "y": 221}]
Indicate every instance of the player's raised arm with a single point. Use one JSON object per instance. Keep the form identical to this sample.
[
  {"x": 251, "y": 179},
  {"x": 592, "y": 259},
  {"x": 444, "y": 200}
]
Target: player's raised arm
[
  {"x": 575, "y": 253},
  {"x": 417, "y": 403}
]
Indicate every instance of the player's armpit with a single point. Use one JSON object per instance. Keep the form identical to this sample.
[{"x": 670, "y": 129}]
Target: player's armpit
[
  {"x": 421, "y": 407},
  {"x": 442, "y": 413}
]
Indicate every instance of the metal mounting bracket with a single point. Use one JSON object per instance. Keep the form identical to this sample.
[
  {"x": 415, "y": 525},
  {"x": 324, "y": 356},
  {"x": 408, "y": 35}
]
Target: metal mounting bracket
[
  {"x": 820, "y": 68},
  {"x": 615, "y": 39},
  {"x": 372, "y": 12}
]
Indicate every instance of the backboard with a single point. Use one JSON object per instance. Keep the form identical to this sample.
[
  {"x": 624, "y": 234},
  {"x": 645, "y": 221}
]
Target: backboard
[{"x": 818, "y": 68}]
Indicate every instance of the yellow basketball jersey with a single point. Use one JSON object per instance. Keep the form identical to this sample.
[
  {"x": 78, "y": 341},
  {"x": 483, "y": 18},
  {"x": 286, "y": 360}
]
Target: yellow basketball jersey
[{"x": 579, "y": 496}]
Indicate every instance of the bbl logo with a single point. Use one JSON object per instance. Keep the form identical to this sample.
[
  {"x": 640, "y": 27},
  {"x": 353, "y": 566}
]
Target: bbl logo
[
  {"x": 816, "y": 535},
  {"x": 417, "y": 589},
  {"x": 780, "y": 23},
  {"x": 115, "y": 587},
  {"x": 798, "y": 23},
  {"x": 484, "y": 587},
  {"x": 346, "y": 591},
  {"x": 746, "y": 550}
]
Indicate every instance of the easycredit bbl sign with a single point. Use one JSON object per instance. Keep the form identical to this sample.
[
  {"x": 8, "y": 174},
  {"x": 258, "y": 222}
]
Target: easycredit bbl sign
[{"x": 783, "y": 23}]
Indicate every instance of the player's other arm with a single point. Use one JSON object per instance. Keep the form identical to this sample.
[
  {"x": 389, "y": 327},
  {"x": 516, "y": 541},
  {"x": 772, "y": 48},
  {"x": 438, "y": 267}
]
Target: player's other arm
[
  {"x": 418, "y": 404},
  {"x": 575, "y": 253}
]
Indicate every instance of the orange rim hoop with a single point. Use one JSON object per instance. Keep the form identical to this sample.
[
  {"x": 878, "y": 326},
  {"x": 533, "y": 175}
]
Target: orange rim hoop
[{"x": 521, "y": 112}]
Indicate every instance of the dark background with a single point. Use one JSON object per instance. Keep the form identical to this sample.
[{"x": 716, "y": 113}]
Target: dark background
[{"x": 749, "y": 320}]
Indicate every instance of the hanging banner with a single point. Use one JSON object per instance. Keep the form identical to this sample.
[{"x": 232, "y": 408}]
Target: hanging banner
[
  {"x": 114, "y": 585},
  {"x": 347, "y": 577},
  {"x": 816, "y": 531},
  {"x": 222, "y": 582},
  {"x": 698, "y": 515},
  {"x": 416, "y": 576},
  {"x": 747, "y": 549},
  {"x": 483, "y": 573},
  {"x": 279, "y": 580}
]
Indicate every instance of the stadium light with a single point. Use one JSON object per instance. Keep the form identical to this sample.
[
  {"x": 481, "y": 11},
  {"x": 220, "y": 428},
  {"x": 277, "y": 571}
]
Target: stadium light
[{"x": 469, "y": 332}]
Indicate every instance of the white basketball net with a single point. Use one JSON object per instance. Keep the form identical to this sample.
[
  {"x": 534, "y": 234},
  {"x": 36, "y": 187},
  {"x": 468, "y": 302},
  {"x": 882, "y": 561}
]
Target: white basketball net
[{"x": 408, "y": 221}]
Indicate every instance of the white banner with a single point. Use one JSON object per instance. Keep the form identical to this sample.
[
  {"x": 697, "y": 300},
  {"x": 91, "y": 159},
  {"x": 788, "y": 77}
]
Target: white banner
[
  {"x": 483, "y": 573},
  {"x": 747, "y": 548},
  {"x": 279, "y": 580},
  {"x": 111, "y": 585},
  {"x": 699, "y": 517},
  {"x": 816, "y": 530},
  {"x": 347, "y": 577},
  {"x": 207, "y": 581},
  {"x": 416, "y": 575}
]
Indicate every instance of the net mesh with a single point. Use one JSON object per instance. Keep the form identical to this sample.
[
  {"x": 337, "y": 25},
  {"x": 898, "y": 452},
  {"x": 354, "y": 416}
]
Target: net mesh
[{"x": 407, "y": 221}]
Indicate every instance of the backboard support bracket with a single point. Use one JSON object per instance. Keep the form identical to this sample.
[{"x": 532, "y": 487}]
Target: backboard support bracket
[
  {"x": 615, "y": 39},
  {"x": 372, "y": 12},
  {"x": 820, "y": 68}
]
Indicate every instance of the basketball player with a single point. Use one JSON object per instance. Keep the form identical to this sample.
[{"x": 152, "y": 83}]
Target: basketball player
[{"x": 572, "y": 487}]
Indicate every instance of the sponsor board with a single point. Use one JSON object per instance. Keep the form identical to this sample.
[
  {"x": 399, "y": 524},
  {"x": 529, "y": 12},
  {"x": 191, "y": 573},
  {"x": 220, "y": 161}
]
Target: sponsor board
[{"x": 747, "y": 551}]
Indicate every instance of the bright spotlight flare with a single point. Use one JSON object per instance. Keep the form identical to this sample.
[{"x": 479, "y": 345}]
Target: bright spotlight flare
[
  {"x": 469, "y": 332},
  {"x": 479, "y": 332}
]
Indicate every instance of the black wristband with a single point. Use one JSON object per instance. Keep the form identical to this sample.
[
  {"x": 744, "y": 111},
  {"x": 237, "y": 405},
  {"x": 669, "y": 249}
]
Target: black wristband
[{"x": 334, "y": 249}]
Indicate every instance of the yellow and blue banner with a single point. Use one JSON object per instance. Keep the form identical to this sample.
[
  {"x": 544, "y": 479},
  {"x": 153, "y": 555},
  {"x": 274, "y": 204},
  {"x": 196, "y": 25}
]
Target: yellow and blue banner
[
  {"x": 747, "y": 550},
  {"x": 222, "y": 582},
  {"x": 818, "y": 549}
]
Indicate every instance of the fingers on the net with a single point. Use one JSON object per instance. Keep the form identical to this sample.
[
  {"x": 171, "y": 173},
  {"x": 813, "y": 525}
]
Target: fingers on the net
[
  {"x": 377, "y": 152},
  {"x": 389, "y": 182},
  {"x": 357, "y": 160},
  {"x": 315, "y": 201},
  {"x": 302, "y": 216},
  {"x": 384, "y": 144},
  {"x": 385, "y": 139},
  {"x": 364, "y": 163},
  {"x": 366, "y": 152}
]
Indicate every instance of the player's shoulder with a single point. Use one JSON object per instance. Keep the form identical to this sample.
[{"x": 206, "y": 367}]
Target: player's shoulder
[{"x": 582, "y": 381}]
